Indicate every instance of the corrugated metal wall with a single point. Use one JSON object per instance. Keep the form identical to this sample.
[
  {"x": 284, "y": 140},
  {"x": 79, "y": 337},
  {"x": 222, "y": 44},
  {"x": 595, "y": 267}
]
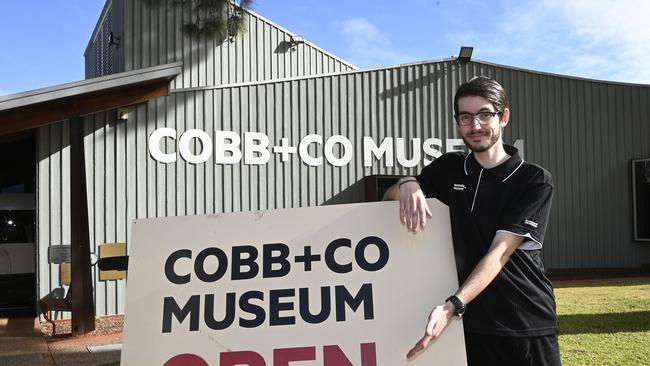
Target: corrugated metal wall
[
  {"x": 123, "y": 181},
  {"x": 102, "y": 58},
  {"x": 262, "y": 52},
  {"x": 53, "y": 198},
  {"x": 584, "y": 132},
  {"x": 105, "y": 200}
]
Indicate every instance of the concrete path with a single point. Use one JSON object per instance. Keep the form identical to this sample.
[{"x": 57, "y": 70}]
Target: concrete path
[{"x": 22, "y": 343}]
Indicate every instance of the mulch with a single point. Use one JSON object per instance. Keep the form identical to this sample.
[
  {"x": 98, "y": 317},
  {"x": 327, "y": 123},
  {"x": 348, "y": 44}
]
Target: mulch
[{"x": 109, "y": 327}]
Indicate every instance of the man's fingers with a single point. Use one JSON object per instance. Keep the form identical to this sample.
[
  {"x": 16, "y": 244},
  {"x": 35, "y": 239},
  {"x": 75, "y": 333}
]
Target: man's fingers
[
  {"x": 422, "y": 344},
  {"x": 414, "y": 351},
  {"x": 403, "y": 214},
  {"x": 408, "y": 215},
  {"x": 404, "y": 211},
  {"x": 422, "y": 212},
  {"x": 412, "y": 226},
  {"x": 434, "y": 328},
  {"x": 428, "y": 210},
  {"x": 415, "y": 213},
  {"x": 413, "y": 210}
]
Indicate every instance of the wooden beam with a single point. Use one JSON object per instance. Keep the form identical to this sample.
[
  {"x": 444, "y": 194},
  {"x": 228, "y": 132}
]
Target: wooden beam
[
  {"x": 39, "y": 114},
  {"x": 83, "y": 308},
  {"x": 18, "y": 136}
]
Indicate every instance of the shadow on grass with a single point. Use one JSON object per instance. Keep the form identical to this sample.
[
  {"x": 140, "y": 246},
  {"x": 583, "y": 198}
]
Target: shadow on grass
[
  {"x": 635, "y": 321},
  {"x": 617, "y": 282}
]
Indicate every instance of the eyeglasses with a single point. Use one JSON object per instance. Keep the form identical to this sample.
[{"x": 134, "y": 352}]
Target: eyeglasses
[{"x": 484, "y": 117}]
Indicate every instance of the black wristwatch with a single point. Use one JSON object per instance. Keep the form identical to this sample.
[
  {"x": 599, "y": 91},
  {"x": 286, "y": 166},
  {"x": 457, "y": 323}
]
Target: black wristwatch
[{"x": 458, "y": 304}]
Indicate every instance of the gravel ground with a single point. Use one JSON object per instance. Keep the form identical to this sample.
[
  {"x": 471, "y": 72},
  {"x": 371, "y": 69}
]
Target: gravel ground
[{"x": 104, "y": 326}]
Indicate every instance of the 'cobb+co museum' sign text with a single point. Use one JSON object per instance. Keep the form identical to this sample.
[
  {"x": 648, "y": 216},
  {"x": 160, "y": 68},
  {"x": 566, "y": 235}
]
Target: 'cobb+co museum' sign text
[{"x": 341, "y": 285}]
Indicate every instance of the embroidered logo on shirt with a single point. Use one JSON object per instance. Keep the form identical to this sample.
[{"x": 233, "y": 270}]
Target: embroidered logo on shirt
[
  {"x": 532, "y": 224},
  {"x": 459, "y": 187}
]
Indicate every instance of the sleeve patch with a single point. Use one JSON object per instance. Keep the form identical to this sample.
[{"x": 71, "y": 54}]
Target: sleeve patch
[{"x": 531, "y": 223}]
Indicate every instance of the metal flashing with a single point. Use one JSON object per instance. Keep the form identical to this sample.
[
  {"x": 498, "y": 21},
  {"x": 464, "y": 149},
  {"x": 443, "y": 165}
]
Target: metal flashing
[{"x": 31, "y": 109}]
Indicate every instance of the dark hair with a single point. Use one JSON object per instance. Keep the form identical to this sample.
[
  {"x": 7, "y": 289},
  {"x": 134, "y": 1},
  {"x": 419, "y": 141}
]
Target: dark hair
[{"x": 484, "y": 87}]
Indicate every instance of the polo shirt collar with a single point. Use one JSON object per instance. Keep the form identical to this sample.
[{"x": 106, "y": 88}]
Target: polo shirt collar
[{"x": 502, "y": 171}]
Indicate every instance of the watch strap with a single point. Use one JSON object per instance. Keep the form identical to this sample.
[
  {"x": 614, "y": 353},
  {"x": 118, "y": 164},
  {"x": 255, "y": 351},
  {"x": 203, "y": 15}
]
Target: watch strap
[{"x": 458, "y": 304}]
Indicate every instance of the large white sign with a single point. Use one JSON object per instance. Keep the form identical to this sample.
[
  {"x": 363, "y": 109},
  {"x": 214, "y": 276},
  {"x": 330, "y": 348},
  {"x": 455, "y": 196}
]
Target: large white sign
[
  {"x": 338, "y": 285},
  {"x": 197, "y": 146}
]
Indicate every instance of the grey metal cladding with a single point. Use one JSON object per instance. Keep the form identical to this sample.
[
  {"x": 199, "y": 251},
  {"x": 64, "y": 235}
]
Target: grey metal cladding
[
  {"x": 53, "y": 200},
  {"x": 102, "y": 58},
  {"x": 584, "y": 132},
  {"x": 262, "y": 52},
  {"x": 580, "y": 130}
]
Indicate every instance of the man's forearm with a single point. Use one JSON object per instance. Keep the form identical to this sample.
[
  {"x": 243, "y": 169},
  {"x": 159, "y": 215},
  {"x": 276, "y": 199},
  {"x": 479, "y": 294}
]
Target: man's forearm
[
  {"x": 392, "y": 194},
  {"x": 487, "y": 269}
]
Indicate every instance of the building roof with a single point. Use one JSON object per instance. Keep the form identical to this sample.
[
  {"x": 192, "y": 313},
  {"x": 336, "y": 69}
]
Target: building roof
[{"x": 35, "y": 108}]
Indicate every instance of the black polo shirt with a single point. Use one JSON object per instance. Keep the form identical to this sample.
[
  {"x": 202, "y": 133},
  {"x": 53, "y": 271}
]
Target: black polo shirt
[{"x": 514, "y": 196}]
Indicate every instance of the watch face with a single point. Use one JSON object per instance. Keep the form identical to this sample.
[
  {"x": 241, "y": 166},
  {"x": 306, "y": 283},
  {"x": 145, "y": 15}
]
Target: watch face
[{"x": 460, "y": 310}]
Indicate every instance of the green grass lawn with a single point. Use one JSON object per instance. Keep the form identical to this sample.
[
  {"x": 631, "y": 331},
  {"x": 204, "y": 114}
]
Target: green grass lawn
[{"x": 604, "y": 322}]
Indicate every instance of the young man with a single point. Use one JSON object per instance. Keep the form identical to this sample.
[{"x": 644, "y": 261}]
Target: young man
[{"x": 499, "y": 206}]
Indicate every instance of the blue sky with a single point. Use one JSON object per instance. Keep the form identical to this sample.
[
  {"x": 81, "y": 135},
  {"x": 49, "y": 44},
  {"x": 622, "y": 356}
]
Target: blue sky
[{"x": 42, "y": 41}]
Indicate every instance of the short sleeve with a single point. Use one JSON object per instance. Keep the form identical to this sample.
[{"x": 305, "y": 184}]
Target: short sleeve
[
  {"x": 529, "y": 214},
  {"x": 433, "y": 179}
]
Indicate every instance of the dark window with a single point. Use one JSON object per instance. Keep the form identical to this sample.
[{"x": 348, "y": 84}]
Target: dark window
[
  {"x": 17, "y": 226},
  {"x": 641, "y": 191},
  {"x": 17, "y": 164}
]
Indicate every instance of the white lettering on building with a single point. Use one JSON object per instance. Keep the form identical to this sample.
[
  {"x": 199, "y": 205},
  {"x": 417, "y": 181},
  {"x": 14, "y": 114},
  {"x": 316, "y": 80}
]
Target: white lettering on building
[
  {"x": 154, "y": 145},
  {"x": 184, "y": 146},
  {"x": 256, "y": 148},
  {"x": 370, "y": 149},
  {"x": 226, "y": 142},
  {"x": 227, "y": 147}
]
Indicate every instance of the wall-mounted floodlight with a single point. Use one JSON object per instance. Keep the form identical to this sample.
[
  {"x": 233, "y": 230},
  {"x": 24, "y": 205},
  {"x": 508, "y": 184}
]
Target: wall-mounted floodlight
[
  {"x": 122, "y": 113},
  {"x": 113, "y": 40},
  {"x": 465, "y": 54},
  {"x": 296, "y": 40}
]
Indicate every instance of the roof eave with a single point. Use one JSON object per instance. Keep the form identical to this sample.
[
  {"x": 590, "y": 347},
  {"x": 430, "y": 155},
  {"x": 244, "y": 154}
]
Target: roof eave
[{"x": 32, "y": 109}]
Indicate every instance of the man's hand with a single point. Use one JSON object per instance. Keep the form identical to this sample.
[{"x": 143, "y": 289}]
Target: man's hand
[
  {"x": 503, "y": 245},
  {"x": 413, "y": 208},
  {"x": 437, "y": 322}
]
